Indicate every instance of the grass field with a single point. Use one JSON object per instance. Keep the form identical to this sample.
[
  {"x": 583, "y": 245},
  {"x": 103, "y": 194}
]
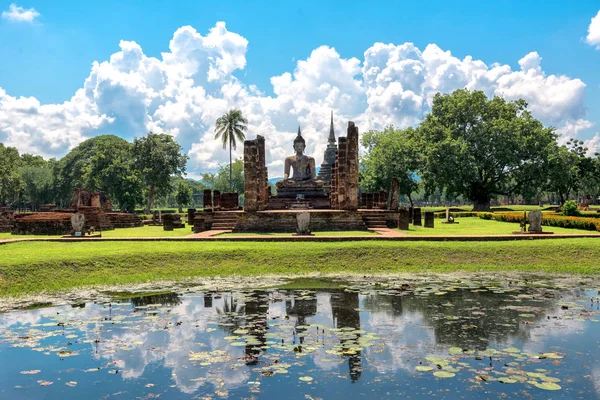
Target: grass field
[
  {"x": 33, "y": 267},
  {"x": 478, "y": 226}
]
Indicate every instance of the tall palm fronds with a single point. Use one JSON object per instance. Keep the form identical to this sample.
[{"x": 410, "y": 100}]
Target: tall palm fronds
[{"x": 230, "y": 127}]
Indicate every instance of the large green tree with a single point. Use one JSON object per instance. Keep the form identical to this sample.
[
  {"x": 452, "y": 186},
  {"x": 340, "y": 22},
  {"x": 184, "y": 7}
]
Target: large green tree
[
  {"x": 158, "y": 157},
  {"x": 226, "y": 179},
  {"x": 481, "y": 148},
  {"x": 228, "y": 128},
  {"x": 568, "y": 168},
  {"x": 10, "y": 180},
  {"x": 390, "y": 153},
  {"x": 183, "y": 195},
  {"x": 103, "y": 163}
]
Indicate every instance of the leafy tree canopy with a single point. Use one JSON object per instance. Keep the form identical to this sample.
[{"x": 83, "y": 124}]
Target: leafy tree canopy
[
  {"x": 220, "y": 180},
  {"x": 480, "y": 148},
  {"x": 158, "y": 157},
  {"x": 390, "y": 153}
]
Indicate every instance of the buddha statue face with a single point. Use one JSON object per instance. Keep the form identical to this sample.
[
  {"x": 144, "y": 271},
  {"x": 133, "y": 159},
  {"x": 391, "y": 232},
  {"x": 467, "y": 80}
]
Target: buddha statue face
[{"x": 299, "y": 147}]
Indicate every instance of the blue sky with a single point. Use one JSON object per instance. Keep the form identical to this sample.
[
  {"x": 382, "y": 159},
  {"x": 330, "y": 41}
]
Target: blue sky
[{"x": 50, "y": 58}]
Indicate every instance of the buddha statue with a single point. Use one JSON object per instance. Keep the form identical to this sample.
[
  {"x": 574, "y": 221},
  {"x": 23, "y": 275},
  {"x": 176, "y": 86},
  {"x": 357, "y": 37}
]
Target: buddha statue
[{"x": 304, "y": 173}]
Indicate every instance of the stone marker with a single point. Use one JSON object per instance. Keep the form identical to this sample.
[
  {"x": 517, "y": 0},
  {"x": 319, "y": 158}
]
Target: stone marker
[
  {"x": 78, "y": 223},
  {"x": 417, "y": 216},
  {"x": 394, "y": 194},
  {"x": 429, "y": 219},
  {"x": 303, "y": 221},
  {"x": 403, "y": 219},
  {"x": 535, "y": 221},
  {"x": 449, "y": 218}
]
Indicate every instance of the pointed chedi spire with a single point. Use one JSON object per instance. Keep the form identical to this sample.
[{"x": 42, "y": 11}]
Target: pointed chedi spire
[{"x": 331, "y": 132}]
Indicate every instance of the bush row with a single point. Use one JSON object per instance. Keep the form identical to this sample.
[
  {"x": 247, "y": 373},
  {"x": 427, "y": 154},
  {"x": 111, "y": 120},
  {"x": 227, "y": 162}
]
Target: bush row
[{"x": 589, "y": 224}]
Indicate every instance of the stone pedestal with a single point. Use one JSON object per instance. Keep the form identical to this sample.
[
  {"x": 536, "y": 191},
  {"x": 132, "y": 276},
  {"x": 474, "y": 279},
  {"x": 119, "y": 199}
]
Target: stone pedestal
[
  {"x": 208, "y": 205},
  {"x": 303, "y": 224},
  {"x": 429, "y": 219},
  {"x": 417, "y": 217},
  {"x": 403, "y": 219}
]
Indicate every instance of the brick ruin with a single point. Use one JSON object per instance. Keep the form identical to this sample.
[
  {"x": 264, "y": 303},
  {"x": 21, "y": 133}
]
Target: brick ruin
[
  {"x": 216, "y": 200},
  {"x": 7, "y": 219},
  {"x": 377, "y": 200},
  {"x": 96, "y": 207},
  {"x": 256, "y": 187},
  {"x": 343, "y": 192}
]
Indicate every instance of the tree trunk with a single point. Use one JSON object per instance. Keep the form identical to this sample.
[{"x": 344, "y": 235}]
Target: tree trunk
[
  {"x": 150, "y": 200},
  {"x": 410, "y": 200},
  {"x": 482, "y": 205},
  {"x": 230, "y": 166}
]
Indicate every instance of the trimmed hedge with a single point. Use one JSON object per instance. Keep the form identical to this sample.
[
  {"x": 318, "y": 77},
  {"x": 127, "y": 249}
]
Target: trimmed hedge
[
  {"x": 442, "y": 214},
  {"x": 589, "y": 224}
]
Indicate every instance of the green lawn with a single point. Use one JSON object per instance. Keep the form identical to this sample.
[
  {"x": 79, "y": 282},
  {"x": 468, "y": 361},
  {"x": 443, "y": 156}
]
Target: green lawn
[
  {"x": 33, "y": 267},
  {"x": 478, "y": 226},
  {"x": 324, "y": 233},
  {"x": 147, "y": 231}
]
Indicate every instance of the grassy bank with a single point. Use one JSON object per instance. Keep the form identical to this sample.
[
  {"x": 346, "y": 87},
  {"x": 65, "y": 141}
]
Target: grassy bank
[
  {"x": 478, "y": 226},
  {"x": 31, "y": 267}
]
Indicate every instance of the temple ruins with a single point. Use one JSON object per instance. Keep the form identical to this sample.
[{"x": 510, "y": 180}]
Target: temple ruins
[{"x": 330, "y": 195}]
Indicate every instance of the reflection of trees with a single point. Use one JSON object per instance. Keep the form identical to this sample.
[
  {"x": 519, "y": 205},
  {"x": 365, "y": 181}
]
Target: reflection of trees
[
  {"x": 165, "y": 299},
  {"x": 344, "y": 306},
  {"x": 457, "y": 325},
  {"x": 301, "y": 309}
]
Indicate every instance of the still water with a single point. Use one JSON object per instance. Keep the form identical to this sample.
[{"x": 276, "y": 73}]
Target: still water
[{"x": 468, "y": 340}]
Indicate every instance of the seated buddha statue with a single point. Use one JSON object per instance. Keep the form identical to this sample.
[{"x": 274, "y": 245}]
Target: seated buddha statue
[{"x": 304, "y": 172}]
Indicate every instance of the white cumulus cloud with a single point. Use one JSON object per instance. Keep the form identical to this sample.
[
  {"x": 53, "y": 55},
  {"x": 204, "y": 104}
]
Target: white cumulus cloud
[
  {"x": 187, "y": 88},
  {"x": 20, "y": 14},
  {"x": 593, "y": 36}
]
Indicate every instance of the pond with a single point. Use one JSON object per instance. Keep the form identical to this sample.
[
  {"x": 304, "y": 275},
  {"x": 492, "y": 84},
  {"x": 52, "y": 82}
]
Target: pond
[{"x": 386, "y": 339}]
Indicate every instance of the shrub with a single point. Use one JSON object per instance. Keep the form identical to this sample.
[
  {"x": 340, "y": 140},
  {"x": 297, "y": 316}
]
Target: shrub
[
  {"x": 570, "y": 208},
  {"x": 588, "y": 224},
  {"x": 486, "y": 216}
]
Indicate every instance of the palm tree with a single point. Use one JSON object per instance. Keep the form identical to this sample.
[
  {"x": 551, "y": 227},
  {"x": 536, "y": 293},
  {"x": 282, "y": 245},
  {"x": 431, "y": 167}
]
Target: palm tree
[{"x": 229, "y": 127}]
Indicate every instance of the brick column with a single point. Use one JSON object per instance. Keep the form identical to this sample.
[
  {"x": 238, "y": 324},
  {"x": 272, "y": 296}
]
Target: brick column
[
  {"x": 342, "y": 166},
  {"x": 352, "y": 171}
]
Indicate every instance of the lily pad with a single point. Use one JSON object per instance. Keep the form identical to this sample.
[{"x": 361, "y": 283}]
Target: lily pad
[
  {"x": 306, "y": 378},
  {"x": 547, "y": 386},
  {"x": 444, "y": 374},
  {"x": 424, "y": 368},
  {"x": 506, "y": 379}
]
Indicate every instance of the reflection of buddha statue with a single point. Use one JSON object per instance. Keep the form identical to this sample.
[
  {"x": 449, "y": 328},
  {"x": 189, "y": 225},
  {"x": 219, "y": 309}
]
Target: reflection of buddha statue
[{"x": 303, "y": 167}]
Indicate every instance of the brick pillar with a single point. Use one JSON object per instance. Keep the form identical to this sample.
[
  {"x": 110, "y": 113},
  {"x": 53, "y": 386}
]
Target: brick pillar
[
  {"x": 333, "y": 188},
  {"x": 394, "y": 194},
  {"x": 251, "y": 175},
  {"x": 429, "y": 219},
  {"x": 216, "y": 199},
  {"x": 417, "y": 216},
  {"x": 342, "y": 172},
  {"x": 352, "y": 171},
  {"x": 191, "y": 212},
  {"x": 403, "y": 219},
  {"x": 207, "y": 201},
  {"x": 261, "y": 175}
]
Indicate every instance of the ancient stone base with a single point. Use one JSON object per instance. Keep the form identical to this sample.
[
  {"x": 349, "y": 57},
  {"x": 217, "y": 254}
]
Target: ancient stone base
[
  {"x": 285, "y": 221},
  {"x": 82, "y": 236},
  {"x": 532, "y": 233},
  {"x": 290, "y": 203},
  {"x": 303, "y": 234}
]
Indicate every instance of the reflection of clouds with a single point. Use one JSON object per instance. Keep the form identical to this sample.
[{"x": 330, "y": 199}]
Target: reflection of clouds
[
  {"x": 546, "y": 329},
  {"x": 403, "y": 340}
]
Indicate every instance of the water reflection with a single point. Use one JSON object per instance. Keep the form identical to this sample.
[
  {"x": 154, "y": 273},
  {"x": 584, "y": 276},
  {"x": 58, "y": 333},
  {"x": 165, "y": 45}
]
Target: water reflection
[{"x": 301, "y": 342}]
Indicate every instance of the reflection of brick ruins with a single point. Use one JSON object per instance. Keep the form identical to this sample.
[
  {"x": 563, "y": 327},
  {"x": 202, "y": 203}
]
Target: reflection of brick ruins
[{"x": 96, "y": 207}]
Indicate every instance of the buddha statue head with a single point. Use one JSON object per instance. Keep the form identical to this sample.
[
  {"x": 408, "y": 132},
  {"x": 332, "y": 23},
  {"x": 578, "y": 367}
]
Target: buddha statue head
[{"x": 299, "y": 143}]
